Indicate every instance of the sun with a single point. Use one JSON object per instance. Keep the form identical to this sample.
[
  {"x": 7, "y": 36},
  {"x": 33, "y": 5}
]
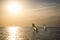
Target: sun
[{"x": 13, "y": 7}]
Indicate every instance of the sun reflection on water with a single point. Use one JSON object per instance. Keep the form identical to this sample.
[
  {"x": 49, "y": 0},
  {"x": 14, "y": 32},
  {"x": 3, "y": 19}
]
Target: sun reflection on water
[
  {"x": 15, "y": 33},
  {"x": 12, "y": 32}
]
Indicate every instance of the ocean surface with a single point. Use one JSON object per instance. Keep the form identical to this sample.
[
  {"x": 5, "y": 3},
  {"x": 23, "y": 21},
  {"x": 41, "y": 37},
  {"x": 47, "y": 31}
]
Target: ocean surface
[{"x": 27, "y": 33}]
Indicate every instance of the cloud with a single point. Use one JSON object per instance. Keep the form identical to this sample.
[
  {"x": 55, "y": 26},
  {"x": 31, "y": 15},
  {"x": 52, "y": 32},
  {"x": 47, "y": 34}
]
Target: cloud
[{"x": 46, "y": 1}]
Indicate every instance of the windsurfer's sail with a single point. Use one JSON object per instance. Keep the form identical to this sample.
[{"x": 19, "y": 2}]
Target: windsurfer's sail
[
  {"x": 45, "y": 28},
  {"x": 35, "y": 28}
]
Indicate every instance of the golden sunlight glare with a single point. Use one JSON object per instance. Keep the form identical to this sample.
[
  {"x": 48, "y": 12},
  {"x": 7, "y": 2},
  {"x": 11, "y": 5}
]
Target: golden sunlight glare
[{"x": 12, "y": 33}]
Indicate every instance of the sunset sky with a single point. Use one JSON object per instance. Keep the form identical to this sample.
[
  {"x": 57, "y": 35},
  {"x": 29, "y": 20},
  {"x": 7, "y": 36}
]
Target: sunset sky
[{"x": 26, "y": 12}]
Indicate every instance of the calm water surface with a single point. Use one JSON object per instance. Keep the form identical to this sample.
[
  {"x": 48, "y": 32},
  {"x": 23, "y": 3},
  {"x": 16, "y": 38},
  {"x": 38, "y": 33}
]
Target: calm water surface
[{"x": 27, "y": 33}]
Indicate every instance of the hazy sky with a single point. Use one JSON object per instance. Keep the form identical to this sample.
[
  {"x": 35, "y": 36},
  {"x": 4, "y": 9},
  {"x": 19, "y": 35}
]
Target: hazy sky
[{"x": 34, "y": 11}]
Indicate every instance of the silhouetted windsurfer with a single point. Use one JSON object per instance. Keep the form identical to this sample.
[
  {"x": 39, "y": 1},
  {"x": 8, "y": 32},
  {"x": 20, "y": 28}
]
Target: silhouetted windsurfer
[
  {"x": 45, "y": 28},
  {"x": 35, "y": 28}
]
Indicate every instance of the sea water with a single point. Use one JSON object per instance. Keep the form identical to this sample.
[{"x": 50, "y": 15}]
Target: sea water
[{"x": 27, "y": 33}]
